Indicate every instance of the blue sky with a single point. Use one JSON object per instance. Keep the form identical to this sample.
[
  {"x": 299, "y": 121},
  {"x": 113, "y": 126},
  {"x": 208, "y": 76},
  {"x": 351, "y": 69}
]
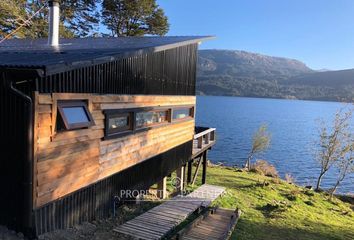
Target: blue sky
[{"x": 317, "y": 32}]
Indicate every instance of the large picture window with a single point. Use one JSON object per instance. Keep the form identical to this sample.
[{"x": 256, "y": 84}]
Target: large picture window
[{"x": 73, "y": 115}]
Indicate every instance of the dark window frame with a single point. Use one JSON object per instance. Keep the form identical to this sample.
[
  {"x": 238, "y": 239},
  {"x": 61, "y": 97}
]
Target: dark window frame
[
  {"x": 74, "y": 126},
  {"x": 112, "y": 133},
  {"x": 191, "y": 113},
  {"x": 157, "y": 109},
  {"x": 110, "y": 113}
]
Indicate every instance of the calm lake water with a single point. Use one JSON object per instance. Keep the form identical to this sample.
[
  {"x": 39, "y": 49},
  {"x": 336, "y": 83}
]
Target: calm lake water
[{"x": 292, "y": 123}]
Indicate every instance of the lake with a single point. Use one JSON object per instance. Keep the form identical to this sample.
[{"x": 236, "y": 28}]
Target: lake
[{"x": 293, "y": 124}]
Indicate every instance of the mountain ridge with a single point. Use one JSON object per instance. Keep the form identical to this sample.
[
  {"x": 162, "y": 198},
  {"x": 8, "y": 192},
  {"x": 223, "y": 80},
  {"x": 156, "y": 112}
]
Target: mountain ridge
[{"x": 242, "y": 73}]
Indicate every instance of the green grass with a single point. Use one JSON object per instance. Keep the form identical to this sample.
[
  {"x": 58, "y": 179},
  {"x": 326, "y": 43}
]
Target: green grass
[{"x": 279, "y": 210}]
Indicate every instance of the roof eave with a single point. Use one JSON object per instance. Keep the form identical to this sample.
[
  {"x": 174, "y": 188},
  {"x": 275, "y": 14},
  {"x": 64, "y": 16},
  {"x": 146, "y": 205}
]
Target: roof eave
[{"x": 57, "y": 68}]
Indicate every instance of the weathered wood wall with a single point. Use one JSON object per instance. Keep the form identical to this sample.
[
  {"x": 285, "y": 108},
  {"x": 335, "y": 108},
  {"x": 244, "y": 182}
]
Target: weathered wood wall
[{"x": 68, "y": 161}]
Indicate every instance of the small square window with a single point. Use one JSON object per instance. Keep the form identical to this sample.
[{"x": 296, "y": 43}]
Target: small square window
[
  {"x": 119, "y": 122},
  {"x": 73, "y": 115}
]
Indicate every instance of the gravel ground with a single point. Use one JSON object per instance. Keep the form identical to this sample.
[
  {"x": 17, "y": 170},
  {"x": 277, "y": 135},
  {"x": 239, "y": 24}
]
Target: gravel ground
[
  {"x": 97, "y": 230},
  {"x": 6, "y": 234}
]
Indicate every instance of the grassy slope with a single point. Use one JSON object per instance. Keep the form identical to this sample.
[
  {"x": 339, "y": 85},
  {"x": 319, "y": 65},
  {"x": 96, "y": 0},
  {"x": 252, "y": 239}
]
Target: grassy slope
[{"x": 269, "y": 214}]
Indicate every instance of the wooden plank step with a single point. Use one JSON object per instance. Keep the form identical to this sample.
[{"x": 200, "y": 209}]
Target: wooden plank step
[
  {"x": 141, "y": 232},
  {"x": 137, "y": 234},
  {"x": 167, "y": 215},
  {"x": 218, "y": 225},
  {"x": 157, "y": 218},
  {"x": 159, "y": 221},
  {"x": 147, "y": 227},
  {"x": 186, "y": 205}
]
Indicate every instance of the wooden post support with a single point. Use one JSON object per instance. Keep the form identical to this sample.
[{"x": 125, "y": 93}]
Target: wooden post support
[
  {"x": 161, "y": 188},
  {"x": 197, "y": 170},
  {"x": 212, "y": 136},
  {"x": 207, "y": 138},
  {"x": 205, "y": 163},
  {"x": 185, "y": 176},
  {"x": 180, "y": 177},
  {"x": 200, "y": 142},
  {"x": 189, "y": 174}
]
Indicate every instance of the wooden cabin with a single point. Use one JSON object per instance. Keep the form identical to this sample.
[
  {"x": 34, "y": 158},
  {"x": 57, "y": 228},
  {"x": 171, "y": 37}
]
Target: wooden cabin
[{"x": 83, "y": 120}]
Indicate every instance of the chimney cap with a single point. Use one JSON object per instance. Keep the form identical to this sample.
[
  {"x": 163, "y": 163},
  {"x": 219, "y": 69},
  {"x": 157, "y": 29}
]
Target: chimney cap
[{"x": 53, "y": 2}]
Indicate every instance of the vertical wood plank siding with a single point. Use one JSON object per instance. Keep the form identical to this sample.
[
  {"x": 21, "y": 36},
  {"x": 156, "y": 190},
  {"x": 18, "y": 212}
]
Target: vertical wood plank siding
[
  {"x": 169, "y": 72},
  {"x": 96, "y": 201}
]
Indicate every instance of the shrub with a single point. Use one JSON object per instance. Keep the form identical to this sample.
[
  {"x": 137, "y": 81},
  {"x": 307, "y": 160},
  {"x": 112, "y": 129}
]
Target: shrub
[
  {"x": 275, "y": 180},
  {"x": 292, "y": 196},
  {"x": 265, "y": 168},
  {"x": 309, "y": 193},
  {"x": 289, "y": 178}
]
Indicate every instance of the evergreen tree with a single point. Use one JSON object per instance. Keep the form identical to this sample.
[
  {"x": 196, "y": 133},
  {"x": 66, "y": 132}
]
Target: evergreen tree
[
  {"x": 134, "y": 17},
  {"x": 79, "y": 18}
]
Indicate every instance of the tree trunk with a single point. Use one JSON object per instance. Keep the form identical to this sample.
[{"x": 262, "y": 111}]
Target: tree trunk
[
  {"x": 319, "y": 181},
  {"x": 248, "y": 163},
  {"x": 334, "y": 189}
]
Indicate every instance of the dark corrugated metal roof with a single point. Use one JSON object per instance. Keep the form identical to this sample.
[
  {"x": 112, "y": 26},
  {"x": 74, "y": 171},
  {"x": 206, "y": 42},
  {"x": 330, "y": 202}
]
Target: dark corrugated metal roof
[{"x": 74, "y": 53}]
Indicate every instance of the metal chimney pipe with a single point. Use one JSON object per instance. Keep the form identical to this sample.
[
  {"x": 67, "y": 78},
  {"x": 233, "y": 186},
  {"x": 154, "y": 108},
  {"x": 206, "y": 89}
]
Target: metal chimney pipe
[{"x": 53, "y": 34}]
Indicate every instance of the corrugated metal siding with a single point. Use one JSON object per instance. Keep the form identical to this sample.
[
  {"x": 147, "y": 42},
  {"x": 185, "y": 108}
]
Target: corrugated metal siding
[
  {"x": 169, "y": 72},
  {"x": 96, "y": 201},
  {"x": 13, "y": 133}
]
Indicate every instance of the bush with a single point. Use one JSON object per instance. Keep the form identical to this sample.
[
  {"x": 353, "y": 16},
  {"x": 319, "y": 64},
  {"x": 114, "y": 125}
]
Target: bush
[
  {"x": 275, "y": 180},
  {"x": 292, "y": 196},
  {"x": 289, "y": 178},
  {"x": 309, "y": 193},
  {"x": 265, "y": 168}
]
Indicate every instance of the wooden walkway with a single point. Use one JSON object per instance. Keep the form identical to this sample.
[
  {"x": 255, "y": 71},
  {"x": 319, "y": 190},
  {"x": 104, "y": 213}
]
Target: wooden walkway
[
  {"x": 216, "y": 226},
  {"x": 161, "y": 220}
]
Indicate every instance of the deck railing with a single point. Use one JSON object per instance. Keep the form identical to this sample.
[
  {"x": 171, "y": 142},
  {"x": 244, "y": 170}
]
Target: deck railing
[
  {"x": 204, "y": 139},
  {"x": 204, "y": 136}
]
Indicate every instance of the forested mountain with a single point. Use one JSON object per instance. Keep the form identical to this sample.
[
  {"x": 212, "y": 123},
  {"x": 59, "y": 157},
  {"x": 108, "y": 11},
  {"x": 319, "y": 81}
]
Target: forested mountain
[{"x": 240, "y": 73}]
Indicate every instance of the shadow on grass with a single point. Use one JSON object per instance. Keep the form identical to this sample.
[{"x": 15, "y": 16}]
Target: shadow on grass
[
  {"x": 241, "y": 185},
  {"x": 247, "y": 229},
  {"x": 272, "y": 210},
  {"x": 348, "y": 199}
]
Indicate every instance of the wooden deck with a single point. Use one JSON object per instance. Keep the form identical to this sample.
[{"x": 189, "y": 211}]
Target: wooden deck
[
  {"x": 161, "y": 220},
  {"x": 217, "y": 225},
  {"x": 203, "y": 141}
]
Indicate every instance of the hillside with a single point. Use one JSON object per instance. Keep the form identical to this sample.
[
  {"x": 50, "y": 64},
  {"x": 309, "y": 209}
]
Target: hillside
[
  {"x": 240, "y": 73},
  {"x": 272, "y": 209}
]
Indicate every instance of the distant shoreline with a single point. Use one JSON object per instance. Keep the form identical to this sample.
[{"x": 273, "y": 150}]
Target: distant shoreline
[{"x": 278, "y": 98}]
